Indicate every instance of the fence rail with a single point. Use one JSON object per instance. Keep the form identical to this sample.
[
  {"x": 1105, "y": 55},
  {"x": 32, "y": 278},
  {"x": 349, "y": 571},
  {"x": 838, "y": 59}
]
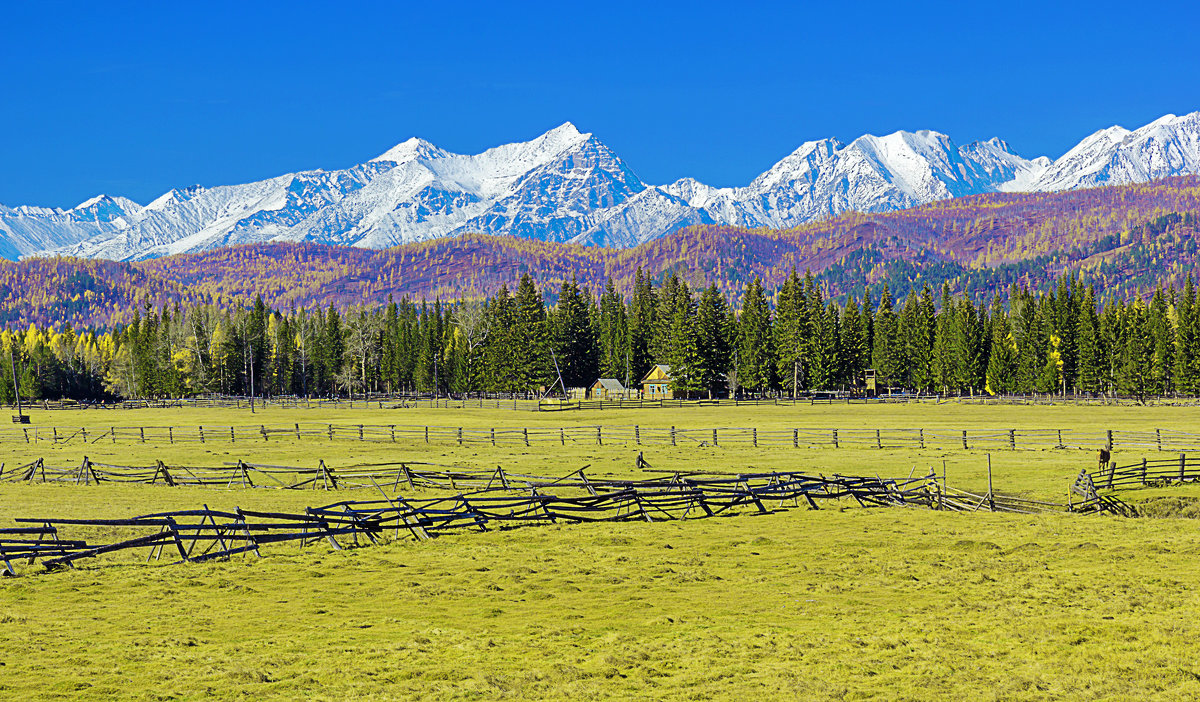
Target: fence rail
[
  {"x": 205, "y": 534},
  {"x": 808, "y": 437},
  {"x": 531, "y": 403},
  {"x": 1148, "y": 472}
]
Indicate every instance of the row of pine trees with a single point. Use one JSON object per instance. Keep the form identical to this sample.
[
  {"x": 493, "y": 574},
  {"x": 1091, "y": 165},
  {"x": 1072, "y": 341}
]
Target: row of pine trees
[{"x": 791, "y": 342}]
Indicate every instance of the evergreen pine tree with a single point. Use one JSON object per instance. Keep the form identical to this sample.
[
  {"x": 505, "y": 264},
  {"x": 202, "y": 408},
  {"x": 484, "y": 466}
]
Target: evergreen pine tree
[
  {"x": 886, "y": 355},
  {"x": 1088, "y": 366},
  {"x": 1002, "y": 358},
  {"x": 1187, "y": 354},
  {"x": 856, "y": 352},
  {"x": 713, "y": 339},
  {"x": 754, "y": 340},
  {"x": 575, "y": 344},
  {"x": 792, "y": 335},
  {"x": 1136, "y": 373}
]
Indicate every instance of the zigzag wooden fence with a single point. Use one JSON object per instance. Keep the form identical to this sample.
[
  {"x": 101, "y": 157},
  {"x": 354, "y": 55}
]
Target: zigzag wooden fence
[
  {"x": 988, "y": 439},
  {"x": 494, "y": 498}
]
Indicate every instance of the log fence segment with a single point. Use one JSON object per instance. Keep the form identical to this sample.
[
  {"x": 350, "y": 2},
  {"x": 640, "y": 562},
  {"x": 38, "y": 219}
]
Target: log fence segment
[
  {"x": 631, "y": 435},
  {"x": 479, "y": 500}
]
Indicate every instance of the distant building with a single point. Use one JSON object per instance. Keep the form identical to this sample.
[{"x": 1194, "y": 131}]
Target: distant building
[
  {"x": 607, "y": 389},
  {"x": 657, "y": 383}
]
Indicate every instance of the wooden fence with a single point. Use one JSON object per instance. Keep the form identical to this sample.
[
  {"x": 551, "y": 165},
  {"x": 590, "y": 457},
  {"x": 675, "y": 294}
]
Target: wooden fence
[
  {"x": 986, "y": 439},
  {"x": 1147, "y": 472},
  {"x": 530, "y": 403},
  {"x": 494, "y": 498}
]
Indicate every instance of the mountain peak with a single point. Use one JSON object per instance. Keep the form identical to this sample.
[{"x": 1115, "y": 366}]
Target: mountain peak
[
  {"x": 411, "y": 149},
  {"x": 566, "y": 129},
  {"x": 566, "y": 185}
]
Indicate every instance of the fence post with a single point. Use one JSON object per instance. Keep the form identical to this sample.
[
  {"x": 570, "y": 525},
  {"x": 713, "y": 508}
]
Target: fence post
[
  {"x": 201, "y": 428},
  {"x": 964, "y": 438},
  {"x": 84, "y": 430},
  {"x": 232, "y": 436},
  {"x": 1143, "y": 470},
  {"x": 141, "y": 431},
  {"x": 754, "y": 435},
  {"x": 1108, "y": 441},
  {"x": 1012, "y": 439},
  {"x": 835, "y": 439},
  {"x": 525, "y": 434},
  {"x": 297, "y": 425},
  {"x": 1158, "y": 438},
  {"x": 460, "y": 430},
  {"x": 493, "y": 436},
  {"x": 991, "y": 495},
  {"x": 637, "y": 435},
  {"x": 715, "y": 438},
  {"x": 1060, "y": 443},
  {"x": 921, "y": 435},
  {"x": 672, "y": 435},
  {"x": 331, "y": 432},
  {"x": 795, "y": 438},
  {"x": 1182, "y": 465},
  {"x": 600, "y": 436},
  {"x": 878, "y": 440},
  {"x": 562, "y": 436}
]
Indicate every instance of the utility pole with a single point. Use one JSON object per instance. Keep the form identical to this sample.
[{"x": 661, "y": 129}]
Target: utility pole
[
  {"x": 252, "y": 381},
  {"x": 21, "y": 418}
]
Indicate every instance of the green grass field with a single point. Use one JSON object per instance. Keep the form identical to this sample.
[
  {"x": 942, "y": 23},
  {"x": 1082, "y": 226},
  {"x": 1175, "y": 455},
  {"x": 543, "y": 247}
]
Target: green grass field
[{"x": 841, "y": 603}]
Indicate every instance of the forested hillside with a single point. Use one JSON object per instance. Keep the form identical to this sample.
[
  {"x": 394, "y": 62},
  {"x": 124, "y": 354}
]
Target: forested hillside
[
  {"x": 1063, "y": 341},
  {"x": 1124, "y": 240}
]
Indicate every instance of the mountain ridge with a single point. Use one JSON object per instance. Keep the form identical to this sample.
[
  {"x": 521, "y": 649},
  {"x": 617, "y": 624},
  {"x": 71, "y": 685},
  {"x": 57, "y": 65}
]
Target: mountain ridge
[
  {"x": 1125, "y": 239},
  {"x": 567, "y": 185}
]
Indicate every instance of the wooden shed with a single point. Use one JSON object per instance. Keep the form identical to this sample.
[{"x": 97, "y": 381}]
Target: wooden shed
[{"x": 607, "y": 389}]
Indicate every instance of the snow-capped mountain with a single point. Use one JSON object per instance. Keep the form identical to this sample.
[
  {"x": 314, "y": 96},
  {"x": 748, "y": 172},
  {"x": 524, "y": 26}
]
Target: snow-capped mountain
[
  {"x": 1167, "y": 146},
  {"x": 29, "y": 230},
  {"x": 568, "y": 186}
]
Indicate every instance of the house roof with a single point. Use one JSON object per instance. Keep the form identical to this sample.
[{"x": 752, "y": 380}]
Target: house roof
[
  {"x": 610, "y": 384},
  {"x": 664, "y": 368}
]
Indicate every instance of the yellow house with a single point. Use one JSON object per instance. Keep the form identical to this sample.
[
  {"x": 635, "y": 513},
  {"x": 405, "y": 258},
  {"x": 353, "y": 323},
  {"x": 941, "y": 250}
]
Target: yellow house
[
  {"x": 657, "y": 383},
  {"x": 607, "y": 389}
]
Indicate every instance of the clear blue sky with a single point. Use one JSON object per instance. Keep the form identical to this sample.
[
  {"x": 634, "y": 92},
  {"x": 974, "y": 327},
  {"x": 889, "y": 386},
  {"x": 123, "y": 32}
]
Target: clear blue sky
[{"x": 133, "y": 99}]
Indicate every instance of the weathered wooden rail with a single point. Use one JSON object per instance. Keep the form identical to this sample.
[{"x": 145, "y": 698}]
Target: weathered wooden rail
[
  {"x": 528, "y": 402},
  {"x": 483, "y": 499},
  {"x": 629, "y": 435},
  {"x": 1183, "y": 468},
  {"x": 197, "y": 535}
]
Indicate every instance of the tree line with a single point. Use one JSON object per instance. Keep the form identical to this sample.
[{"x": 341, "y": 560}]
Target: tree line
[{"x": 793, "y": 341}]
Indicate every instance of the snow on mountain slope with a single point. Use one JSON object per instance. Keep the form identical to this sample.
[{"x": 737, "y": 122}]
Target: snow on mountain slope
[
  {"x": 568, "y": 186},
  {"x": 1167, "y": 146},
  {"x": 28, "y": 230},
  {"x": 547, "y": 188}
]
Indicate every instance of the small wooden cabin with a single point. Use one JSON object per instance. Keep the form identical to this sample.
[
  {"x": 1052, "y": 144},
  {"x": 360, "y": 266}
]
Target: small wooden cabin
[
  {"x": 607, "y": 389},
  {"x": 657, "y": 383}
]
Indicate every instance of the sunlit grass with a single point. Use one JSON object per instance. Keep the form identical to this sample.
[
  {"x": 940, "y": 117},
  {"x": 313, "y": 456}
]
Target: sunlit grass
[{"x": 830, "y": 604}]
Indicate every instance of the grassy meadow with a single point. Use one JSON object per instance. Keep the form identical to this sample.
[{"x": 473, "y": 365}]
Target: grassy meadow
[{"x": 841, "y": 603}]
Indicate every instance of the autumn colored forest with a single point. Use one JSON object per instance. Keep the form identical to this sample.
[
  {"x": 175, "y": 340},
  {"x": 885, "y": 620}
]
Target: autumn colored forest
[
  {"x": 1124, "y": 240},
  {"x": 1085, "y": 291}
]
